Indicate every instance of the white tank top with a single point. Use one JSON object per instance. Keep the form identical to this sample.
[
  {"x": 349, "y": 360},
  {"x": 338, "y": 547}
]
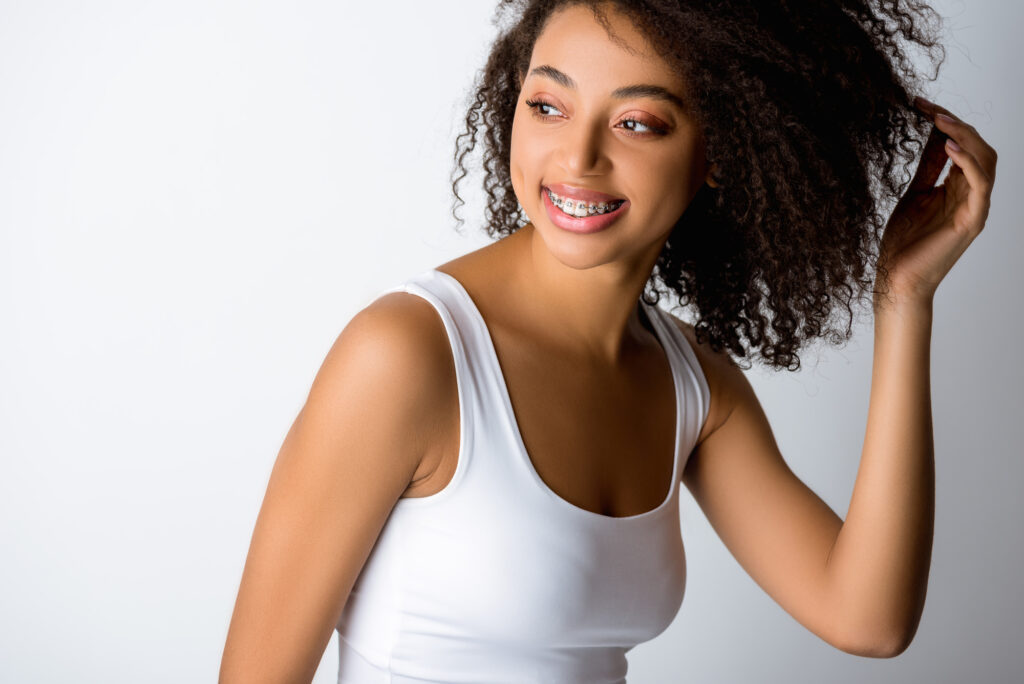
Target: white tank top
[{"x": 498, "y": 580}]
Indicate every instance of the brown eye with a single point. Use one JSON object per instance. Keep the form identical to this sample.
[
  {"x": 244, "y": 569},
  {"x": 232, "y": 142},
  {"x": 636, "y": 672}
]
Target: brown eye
[
  {"x": 536, "y": 105},
  {"x": 651, "y": 128}
]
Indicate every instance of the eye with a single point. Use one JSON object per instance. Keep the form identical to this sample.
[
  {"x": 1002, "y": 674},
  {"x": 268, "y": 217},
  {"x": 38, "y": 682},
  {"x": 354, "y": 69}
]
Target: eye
[
  {"x": 650, "y": 127},
  {"x": 535, "y": 105},
  {"x": 538, "y": 113}
]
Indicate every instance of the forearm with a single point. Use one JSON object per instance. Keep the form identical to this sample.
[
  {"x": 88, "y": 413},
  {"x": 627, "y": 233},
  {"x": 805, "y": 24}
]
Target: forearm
[{"x": 879, "y": 564}]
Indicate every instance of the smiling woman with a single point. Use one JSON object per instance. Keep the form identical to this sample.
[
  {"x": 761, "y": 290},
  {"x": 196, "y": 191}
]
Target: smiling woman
[{"x": 483, "y": 485}]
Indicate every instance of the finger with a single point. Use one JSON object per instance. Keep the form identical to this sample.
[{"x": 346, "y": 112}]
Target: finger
[
  {"x": 931, "y": 109},
  {"x": 933, "y": 161},
  {"x": 966, "y": 135},
  {"x": 968, "y": 138},
  {"x": 979, "y": 182}
]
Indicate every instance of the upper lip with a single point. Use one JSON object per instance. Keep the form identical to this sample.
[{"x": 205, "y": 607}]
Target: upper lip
[{"x": 575, "y": 193}]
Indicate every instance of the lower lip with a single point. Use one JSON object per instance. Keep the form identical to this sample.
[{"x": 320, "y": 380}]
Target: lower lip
[{"x": 587, "y": 224}]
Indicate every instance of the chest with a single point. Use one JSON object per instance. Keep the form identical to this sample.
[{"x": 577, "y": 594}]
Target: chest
[{"x": 601, "y": 439}]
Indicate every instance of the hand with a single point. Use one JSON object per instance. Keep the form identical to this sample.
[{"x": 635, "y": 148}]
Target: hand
[{"x": 930, "y": 226}]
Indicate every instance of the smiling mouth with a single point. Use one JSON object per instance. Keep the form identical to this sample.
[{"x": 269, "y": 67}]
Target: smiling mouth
[{"x": 581, "y": 208}]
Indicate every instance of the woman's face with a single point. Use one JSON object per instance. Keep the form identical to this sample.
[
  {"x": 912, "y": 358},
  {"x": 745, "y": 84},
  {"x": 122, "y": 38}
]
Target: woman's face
[{"x": 639, "y": 147}]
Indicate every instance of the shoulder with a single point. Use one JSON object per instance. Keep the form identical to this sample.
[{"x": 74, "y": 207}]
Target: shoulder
[
  {"x": 400, "y": 328},
  {"x": 395, "y": 355},
  {"x": 726, "y": 381}
]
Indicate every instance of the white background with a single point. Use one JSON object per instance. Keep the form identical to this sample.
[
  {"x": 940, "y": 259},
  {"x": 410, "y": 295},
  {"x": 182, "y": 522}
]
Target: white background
[{"x": 195, "y": 197}]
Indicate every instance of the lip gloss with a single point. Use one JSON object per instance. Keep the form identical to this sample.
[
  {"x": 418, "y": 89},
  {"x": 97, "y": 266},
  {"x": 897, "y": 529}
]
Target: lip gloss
[{"x": 575, "y": 224}]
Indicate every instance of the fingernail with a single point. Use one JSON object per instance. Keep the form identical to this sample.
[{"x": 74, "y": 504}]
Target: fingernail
[
  {"x": 952, "y": 145},
  {"x": 947, "y": 119}
]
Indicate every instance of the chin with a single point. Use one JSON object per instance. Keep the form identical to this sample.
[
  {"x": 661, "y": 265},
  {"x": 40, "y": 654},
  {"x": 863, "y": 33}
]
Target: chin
[{"x": 582, "y": 252}]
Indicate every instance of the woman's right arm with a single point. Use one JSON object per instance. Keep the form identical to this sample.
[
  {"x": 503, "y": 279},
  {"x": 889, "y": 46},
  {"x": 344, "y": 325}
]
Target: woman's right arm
[{"x": 371, "y": 414}]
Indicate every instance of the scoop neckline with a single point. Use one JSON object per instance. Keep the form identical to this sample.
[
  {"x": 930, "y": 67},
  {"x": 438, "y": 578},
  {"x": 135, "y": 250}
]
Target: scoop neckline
[{"x": 506, "y": 398}]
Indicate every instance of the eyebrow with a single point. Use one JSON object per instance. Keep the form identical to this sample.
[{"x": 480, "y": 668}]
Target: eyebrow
[{"x": 638, "y": 90}]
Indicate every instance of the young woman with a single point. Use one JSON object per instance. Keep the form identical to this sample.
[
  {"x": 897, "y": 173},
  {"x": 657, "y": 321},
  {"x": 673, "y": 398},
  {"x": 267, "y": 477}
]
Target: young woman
[{"x": 483, "y": 483}]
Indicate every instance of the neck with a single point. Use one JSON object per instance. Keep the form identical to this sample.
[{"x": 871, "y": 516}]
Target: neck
[{"x": 592, "y": 311}]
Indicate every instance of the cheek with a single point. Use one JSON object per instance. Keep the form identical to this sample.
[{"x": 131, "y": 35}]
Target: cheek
[
  {"x": 525, "y": 161},
  {"x": 663, "y": 182},
  {"x": 524, "y": 147},
  {"x": 664, "y": 187}
]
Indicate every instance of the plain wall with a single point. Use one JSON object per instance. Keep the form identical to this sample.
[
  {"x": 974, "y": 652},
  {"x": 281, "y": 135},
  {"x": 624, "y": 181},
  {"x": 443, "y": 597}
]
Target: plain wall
[{"x": 195, "y": 197}]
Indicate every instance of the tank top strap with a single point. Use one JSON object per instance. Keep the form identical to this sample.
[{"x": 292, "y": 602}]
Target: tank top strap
[
  {"x": 478, "y": 378},
  {"x": 467, "y": 331},
  {"x": 695, "y": 398}
]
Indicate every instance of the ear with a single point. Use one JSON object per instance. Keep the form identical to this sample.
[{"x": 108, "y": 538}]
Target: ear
[{"x": 712, "y": 174}]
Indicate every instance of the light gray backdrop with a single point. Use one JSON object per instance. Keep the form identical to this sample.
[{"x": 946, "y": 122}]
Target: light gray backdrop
[{"x": 195, "y": 197}]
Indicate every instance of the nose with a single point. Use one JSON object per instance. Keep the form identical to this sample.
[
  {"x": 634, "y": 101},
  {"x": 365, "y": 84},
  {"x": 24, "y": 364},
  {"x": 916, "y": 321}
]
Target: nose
[{"x": 582, "y": 149}]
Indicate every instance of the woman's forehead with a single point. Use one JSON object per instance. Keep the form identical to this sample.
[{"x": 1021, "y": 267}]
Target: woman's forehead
[
  {"x": 574, "y": 43},
  {"x": 577, "y": 52}
]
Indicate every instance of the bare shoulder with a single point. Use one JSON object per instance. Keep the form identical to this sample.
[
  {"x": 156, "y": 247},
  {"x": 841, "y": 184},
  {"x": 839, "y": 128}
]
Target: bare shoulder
[
  {"x": 402, "y": 324},
  {"x": 398, "y": 344},
  {"x": 725, "y": 379}
]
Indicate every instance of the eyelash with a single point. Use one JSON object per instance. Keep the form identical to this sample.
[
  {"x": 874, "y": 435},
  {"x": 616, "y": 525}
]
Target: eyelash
[{"x": 535, "y": 105}]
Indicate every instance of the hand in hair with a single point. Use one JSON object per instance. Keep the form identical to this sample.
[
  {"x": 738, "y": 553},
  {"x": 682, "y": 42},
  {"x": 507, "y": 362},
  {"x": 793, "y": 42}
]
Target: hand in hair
[{"x": 931, "y": 226}]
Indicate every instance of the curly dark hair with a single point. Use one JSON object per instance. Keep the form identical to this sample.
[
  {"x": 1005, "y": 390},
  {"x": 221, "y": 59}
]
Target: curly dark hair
[{"x": 806, "y": 109}]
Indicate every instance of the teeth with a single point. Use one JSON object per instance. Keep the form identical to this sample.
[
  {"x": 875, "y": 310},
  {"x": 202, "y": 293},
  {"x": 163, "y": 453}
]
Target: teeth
[{"x": 580, "y": 208}]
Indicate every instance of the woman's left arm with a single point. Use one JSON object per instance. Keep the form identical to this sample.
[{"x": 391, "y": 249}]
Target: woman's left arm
[{"x": 880, "y": 560}]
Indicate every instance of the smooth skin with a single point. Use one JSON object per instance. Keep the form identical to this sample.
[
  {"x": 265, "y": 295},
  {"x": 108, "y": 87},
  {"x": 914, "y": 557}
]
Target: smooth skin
[{"x": 381, "y": 421}]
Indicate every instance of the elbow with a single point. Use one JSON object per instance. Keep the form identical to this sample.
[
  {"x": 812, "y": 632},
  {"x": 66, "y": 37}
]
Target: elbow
[
  {"x": 879, "y": 644},
  {"x": 871, "y": 631},
  {"x": 899, "y": 644},
  {"x": 889, "y": 649}
]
